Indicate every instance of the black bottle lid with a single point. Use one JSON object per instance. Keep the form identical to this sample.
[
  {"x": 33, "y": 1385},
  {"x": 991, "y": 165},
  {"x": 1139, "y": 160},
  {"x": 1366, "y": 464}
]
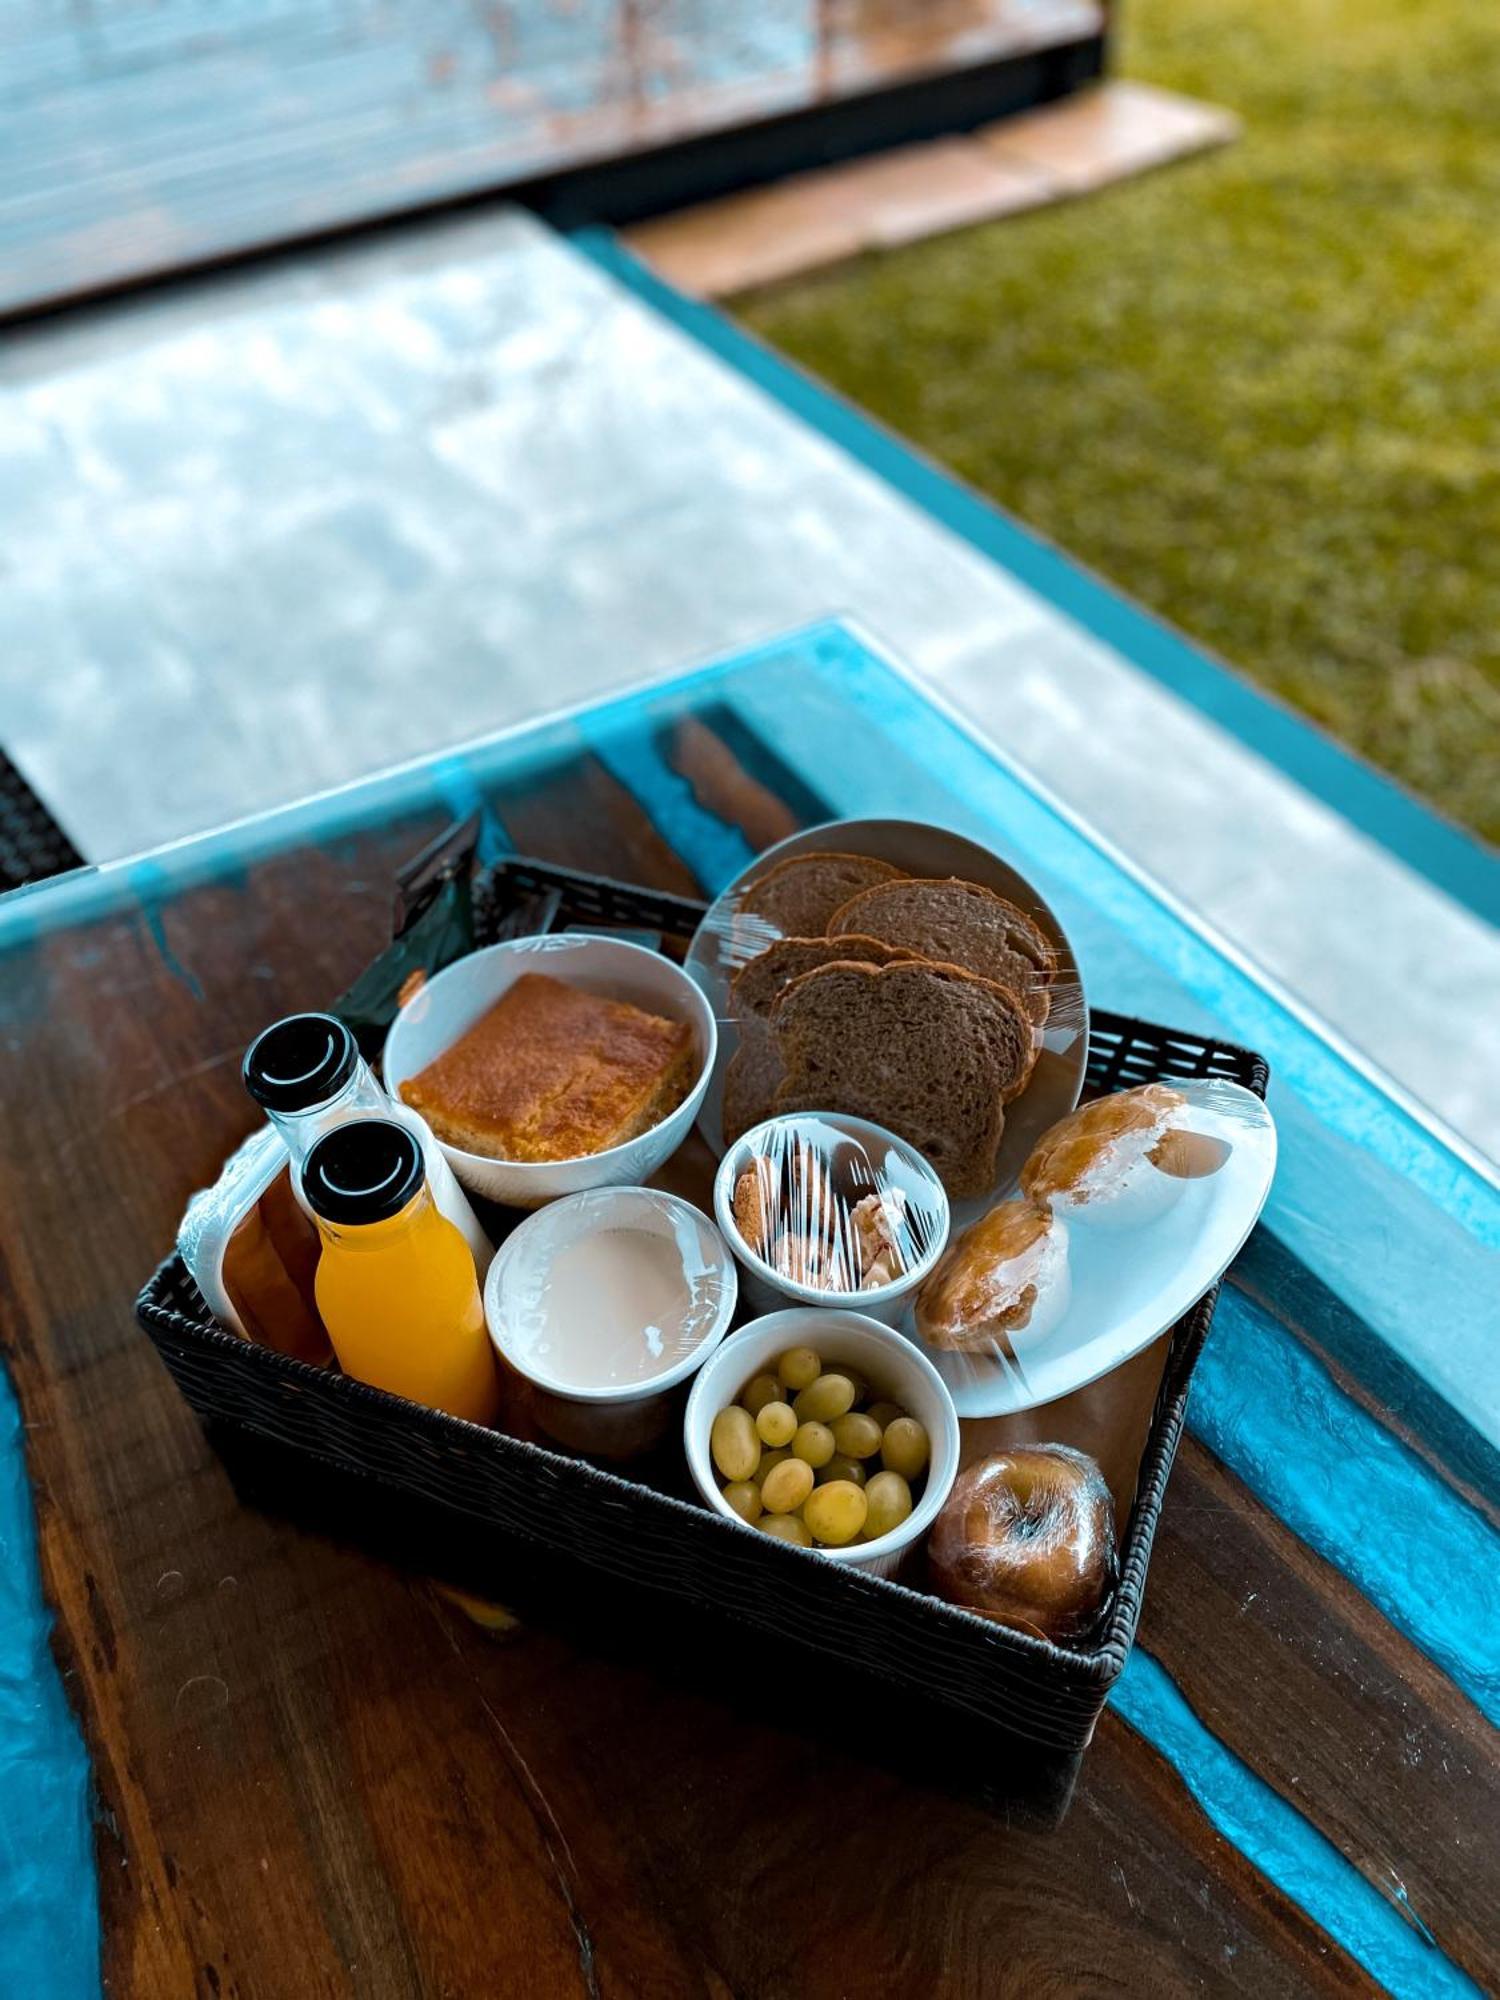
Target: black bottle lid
[
  {"x": 299, "y": 1063},
  {"x": 366, "y": 1170}
]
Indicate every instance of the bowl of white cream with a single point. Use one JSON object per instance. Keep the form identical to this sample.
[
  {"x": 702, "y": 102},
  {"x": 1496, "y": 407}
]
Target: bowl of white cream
[{"x": 603, "y": 1303}]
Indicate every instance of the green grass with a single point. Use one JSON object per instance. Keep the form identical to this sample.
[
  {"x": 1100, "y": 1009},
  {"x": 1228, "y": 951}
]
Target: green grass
[{"x": 1260, "y": 390}]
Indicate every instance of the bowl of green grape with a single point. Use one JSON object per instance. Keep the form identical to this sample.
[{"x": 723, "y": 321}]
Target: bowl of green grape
[{"x": 825, "y": 1429}]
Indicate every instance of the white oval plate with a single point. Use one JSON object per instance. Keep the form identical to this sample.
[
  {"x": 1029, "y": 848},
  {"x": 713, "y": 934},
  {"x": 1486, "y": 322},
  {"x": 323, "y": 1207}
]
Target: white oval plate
[
  {"x": 725, "y": 940},
  {"x": 1129, "y": 1284}
]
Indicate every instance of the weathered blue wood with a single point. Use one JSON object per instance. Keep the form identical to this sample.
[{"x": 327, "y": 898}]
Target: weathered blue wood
[
  {"x": 1391, "y": 1944},
  {"x": 49, "y": 1933}
]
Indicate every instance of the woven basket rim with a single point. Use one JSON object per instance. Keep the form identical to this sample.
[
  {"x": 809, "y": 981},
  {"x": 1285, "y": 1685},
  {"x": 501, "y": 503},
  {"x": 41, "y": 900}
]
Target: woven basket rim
[{"x": 1104, "y": 1660}]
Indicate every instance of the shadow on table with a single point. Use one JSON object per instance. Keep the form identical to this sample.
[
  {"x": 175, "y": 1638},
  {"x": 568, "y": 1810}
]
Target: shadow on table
[{"x": 972, "y": 1761}]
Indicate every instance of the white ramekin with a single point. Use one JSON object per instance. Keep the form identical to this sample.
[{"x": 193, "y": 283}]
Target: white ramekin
[
  {"x": 763, "y": 1286},
  {"x": 889, "y": 1363},
  {"x": 453, "y": 1001},
  {"x": 612, "y": 1421}
]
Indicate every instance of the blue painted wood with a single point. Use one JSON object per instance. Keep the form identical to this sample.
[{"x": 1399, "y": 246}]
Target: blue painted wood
[
  {"x": 1434, "y": 847},
  {"x": 1351, "y": 1490},
  {"x": 1391, "y": 1944},
  {"x": 49, "y": 1936}
]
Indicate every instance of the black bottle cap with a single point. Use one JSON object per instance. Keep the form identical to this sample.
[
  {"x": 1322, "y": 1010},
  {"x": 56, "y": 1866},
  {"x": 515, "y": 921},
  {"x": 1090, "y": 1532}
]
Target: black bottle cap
[
  {"x": 299, "y": 1063},
  {"x": 366, "y": 1170}
]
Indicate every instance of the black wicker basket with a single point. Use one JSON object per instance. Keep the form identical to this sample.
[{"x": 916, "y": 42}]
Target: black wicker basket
[{"x": 649, "y": 1539}]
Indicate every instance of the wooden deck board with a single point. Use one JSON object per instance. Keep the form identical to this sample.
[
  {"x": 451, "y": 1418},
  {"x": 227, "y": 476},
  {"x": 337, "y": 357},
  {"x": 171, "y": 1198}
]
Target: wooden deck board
[{"x": 137, "y": 139}]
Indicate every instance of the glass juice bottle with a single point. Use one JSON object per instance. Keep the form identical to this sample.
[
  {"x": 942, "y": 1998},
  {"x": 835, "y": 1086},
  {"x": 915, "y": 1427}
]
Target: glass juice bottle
[
  {"x": 395, "y": 1284},
  {"x": 308, "y": 1075}
]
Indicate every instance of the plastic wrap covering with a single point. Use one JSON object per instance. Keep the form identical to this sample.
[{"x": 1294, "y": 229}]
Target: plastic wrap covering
[{"x": 1130, "y": 1208}]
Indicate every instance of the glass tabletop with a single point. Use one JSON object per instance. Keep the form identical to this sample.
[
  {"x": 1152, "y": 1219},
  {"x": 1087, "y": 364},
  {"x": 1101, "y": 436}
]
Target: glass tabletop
[
  {"x": 1385, "y": 1228},
  {"x": 1349, "y": 1384}
]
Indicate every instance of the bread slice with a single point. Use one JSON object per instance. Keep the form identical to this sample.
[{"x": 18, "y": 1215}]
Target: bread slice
[
  {"x": 757, "y": 986},
  {"x": 928, "y": 1050},
  {"x": 957, "y": 923},
  {"x": 799, "y": 895},
  {"x": 755, "y": 1067}
]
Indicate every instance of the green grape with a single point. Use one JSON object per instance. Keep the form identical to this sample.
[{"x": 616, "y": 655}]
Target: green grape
[
  {"x": 786, "y": 1528},
  {"x": 786, "y": 1486},
  {"x": 821, "y": 1401},
  {"x": 759, "y": 1391},
  {"x": 885, "y": 1413},
  {"x": 743, "y": 1496},
  {"x": 835, "y": 1513},
  {"x": 776, "y": 1423},
  {"x": 903, "y": 1449},
  {"x": 799, "y": 1368},
  {"x": 735, "y": 1447},
  {"x": 814, "y": 1442},
  {"x": 769, "y": 1460},
  {"x": 856, "y": 1435},
  {"x": 841, "y": 1466},
  {"x": 889, "y": 1500}
]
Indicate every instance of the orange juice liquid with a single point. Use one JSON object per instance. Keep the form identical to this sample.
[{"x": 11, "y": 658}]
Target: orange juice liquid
[{"x": 400, "y": 1300}]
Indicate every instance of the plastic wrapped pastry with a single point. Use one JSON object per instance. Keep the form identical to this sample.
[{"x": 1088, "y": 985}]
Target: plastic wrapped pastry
[
  {"x": 1118, "y": 1160},
  {"x": 1002, "y": 1284}
]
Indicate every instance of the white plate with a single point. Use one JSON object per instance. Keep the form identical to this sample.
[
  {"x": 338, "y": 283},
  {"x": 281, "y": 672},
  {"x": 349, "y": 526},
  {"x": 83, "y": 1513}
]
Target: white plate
[
  {"x": 725, "y": 941},
  {"x": 1129, "y": 1284}
]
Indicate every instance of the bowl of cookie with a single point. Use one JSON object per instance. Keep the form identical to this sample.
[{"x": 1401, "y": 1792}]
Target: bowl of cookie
[
  {"x": 901, "y": 973},
  {"x": 549, "y": 1065},
  {"x": 825, "y": 1210}
]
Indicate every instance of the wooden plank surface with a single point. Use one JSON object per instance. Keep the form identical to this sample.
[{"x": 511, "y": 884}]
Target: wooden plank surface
[
  {"x": 141, "y": 136},
  {"x": 316, "y": 1775}
]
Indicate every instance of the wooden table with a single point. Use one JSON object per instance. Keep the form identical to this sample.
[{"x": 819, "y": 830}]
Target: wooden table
[{"x": 314, "y": 1773}]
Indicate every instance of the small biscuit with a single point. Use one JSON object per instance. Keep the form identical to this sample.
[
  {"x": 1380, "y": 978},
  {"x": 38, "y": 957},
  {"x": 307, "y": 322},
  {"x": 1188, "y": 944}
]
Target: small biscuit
[{"x": 754, "y": 1203}]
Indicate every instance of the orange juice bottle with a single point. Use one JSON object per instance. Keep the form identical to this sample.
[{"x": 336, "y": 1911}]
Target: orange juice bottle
[{"x": 396, "y": 1283}]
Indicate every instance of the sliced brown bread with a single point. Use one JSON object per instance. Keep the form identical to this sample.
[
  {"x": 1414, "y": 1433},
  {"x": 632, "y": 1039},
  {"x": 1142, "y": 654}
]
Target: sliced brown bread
[
  {"x": 928, "y": 1050},
  {"x": 757, "y": 985},
  {"x": 957, "y": 923},
  {"x": 799, "y": 895},
  {"x": 755, "y": 1067}
]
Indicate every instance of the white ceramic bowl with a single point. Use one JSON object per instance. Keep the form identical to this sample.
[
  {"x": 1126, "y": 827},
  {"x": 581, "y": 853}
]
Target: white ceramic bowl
[
  {"x": 889, "y": 1363},
  {"x": 451, "y": 1002},
  {"x": 614, "y": 1420},
  {"x": 902, "y": 1165}
]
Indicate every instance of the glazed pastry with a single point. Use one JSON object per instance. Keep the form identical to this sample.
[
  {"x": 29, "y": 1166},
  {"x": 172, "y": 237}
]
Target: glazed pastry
[
  {"x": 1004, "y": 1282},
  {"x": 1027, "y": 1537},
  {"x": 1104, "y": 1152}
]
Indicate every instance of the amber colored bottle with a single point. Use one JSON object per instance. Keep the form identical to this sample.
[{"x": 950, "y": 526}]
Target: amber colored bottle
[{"x": 396, "y": 1283}]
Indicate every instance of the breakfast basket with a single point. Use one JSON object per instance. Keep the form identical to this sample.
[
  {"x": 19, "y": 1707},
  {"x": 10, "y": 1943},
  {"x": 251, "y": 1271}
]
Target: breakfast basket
[{"x": 543, "y": 1503}]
